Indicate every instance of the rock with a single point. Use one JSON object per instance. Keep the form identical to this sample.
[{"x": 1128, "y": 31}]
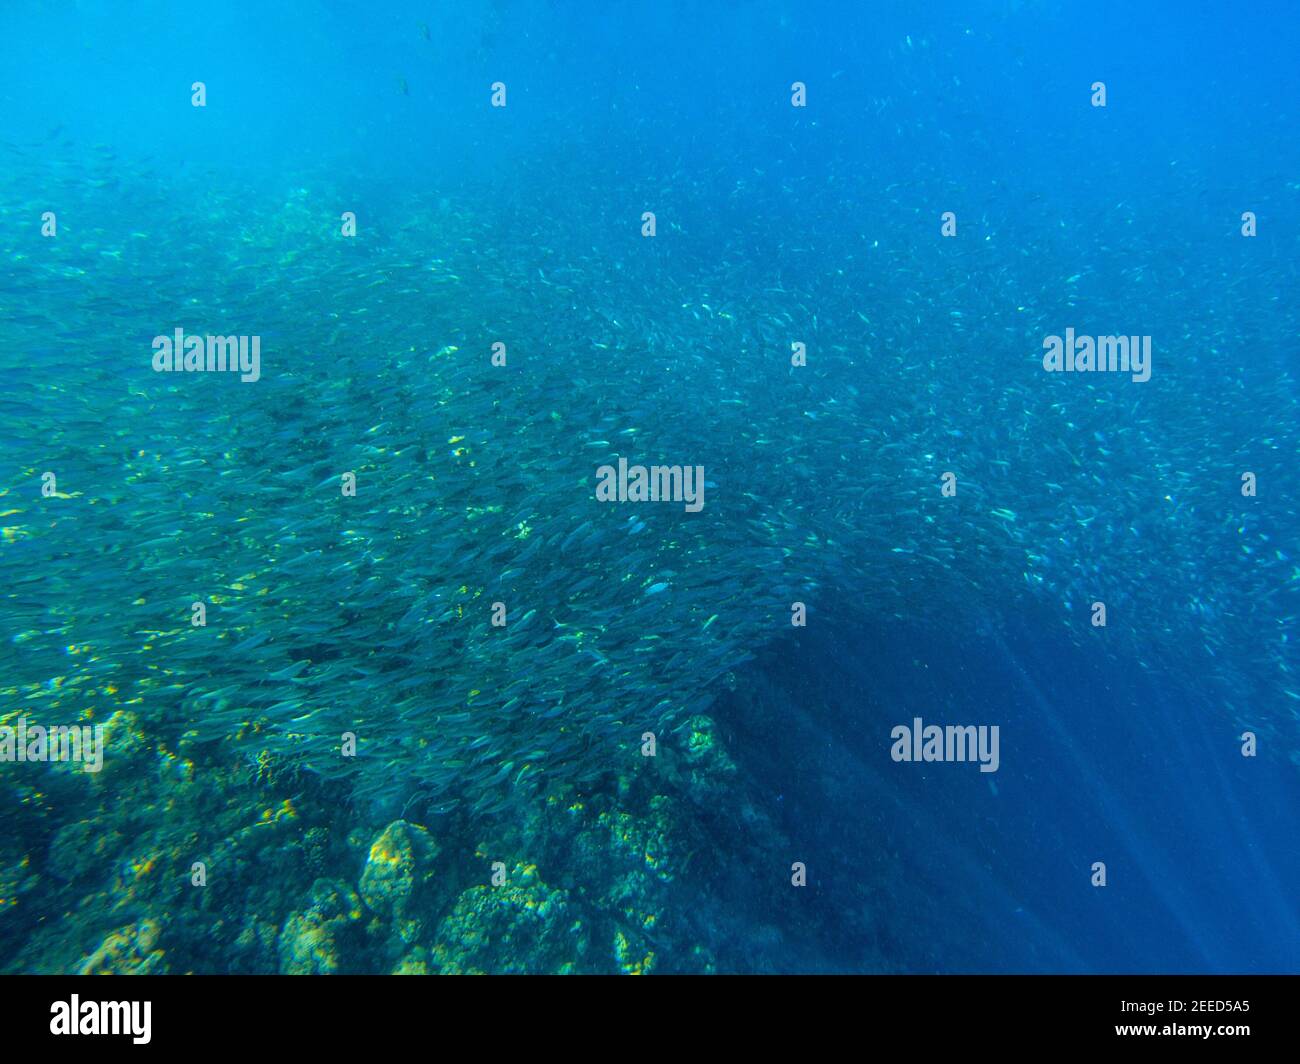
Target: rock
[
  {"x": 310, "y": 941},
  {"x": 522, "y": 926},
  {"x": 397, "y": 878},
  {"x": 129, "y": 950}
]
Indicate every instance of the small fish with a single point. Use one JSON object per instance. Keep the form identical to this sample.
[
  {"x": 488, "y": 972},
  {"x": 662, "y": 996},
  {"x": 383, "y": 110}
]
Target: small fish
[{"x": 289, "y": 672}]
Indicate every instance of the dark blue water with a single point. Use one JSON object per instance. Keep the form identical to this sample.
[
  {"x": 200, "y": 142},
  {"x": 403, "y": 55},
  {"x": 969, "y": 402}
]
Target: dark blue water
[{"x": 992, "y": 872}]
